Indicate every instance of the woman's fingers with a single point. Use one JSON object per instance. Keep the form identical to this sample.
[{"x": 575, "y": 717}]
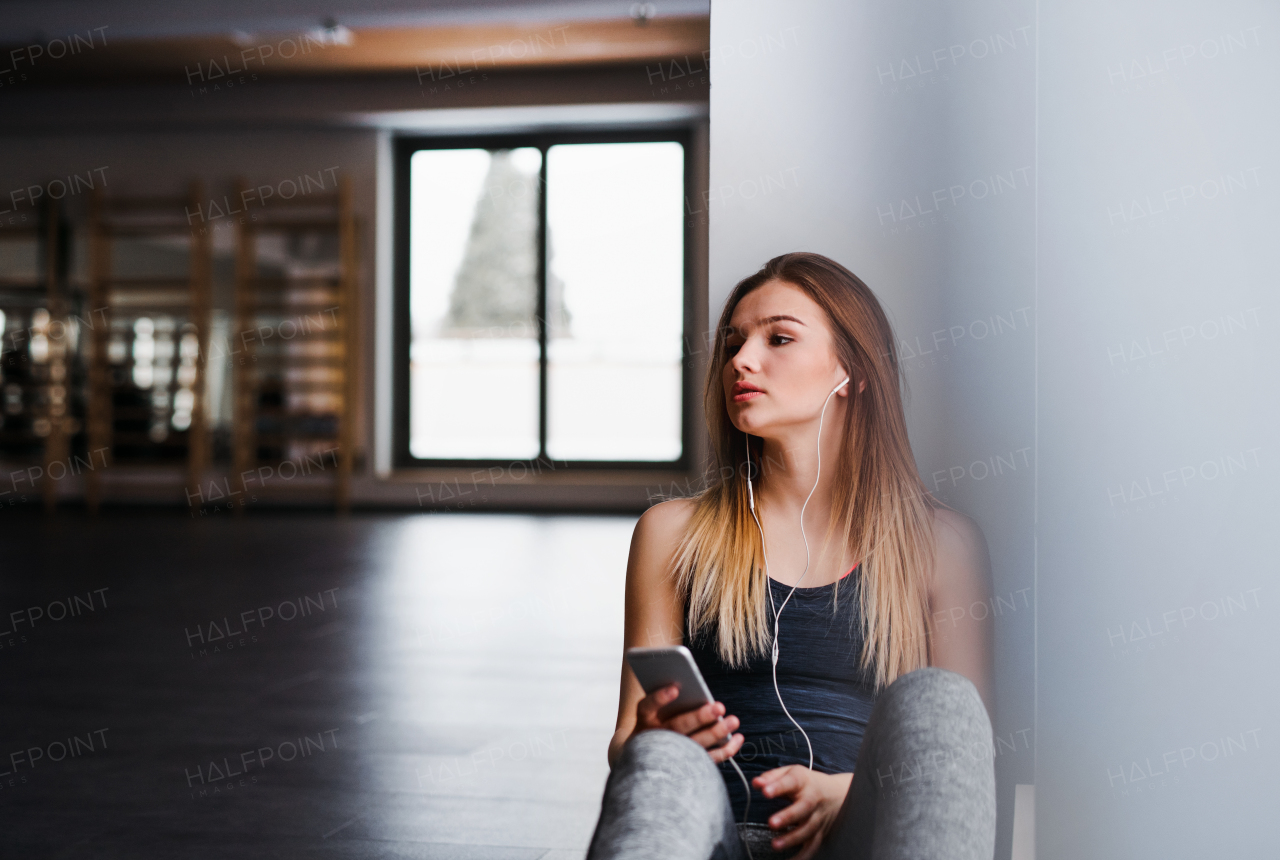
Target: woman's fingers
[
  {"x": 691, "y": 721},
  {"x": 782, "y": 781},
  {"x": 648, "y": 707},
  {"x": 799, "y": 835},
  {"x": 769, "y": 777},
  {"x": 796, "y": 813},
  {"x": 704, "y": 724},
  {"x": 716, "y": 732},
  {"x": 727, "y": 751}
]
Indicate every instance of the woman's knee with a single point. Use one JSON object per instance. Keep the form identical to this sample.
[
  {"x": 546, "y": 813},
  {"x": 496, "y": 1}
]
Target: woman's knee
[
  {"x": 669, "y": 752},
  {"x": 936, "y": 715},
  {"x": 930, "y": 728},
  {"x": 935, "y": 693}
]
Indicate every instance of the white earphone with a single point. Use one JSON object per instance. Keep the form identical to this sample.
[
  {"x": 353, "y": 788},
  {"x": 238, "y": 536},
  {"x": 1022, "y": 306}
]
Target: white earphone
[{"x": 777, "y": 612}]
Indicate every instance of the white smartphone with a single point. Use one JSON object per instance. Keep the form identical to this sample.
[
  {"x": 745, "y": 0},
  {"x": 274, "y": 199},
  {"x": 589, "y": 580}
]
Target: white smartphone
[{"x": 656, "y": 668}]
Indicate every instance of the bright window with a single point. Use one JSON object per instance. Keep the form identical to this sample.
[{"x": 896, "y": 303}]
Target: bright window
[{"x": 544, "y": 285}]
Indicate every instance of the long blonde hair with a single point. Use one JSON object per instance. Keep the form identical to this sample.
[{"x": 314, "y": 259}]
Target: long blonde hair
[{"x": 879, "y": 504}]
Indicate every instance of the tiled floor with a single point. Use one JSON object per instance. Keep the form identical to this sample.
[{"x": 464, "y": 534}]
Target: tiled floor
[{"x": 453, "y": 699}]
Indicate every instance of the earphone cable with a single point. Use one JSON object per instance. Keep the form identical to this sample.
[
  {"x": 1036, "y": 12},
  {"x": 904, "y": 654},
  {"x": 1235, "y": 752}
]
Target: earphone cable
[{"x": 777, "y": 611}]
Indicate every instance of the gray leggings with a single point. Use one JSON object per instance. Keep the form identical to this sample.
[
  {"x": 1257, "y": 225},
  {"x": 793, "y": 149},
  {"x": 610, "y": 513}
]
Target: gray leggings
[{"x": 923, "y": 788}]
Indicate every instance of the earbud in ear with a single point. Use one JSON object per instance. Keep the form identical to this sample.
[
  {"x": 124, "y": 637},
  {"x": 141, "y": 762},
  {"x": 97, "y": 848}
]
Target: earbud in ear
[{"x": 841, "y": 385}]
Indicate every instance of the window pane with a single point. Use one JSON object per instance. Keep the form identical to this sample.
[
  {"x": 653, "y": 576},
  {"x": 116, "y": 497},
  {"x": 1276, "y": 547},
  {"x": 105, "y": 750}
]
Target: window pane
[
  {"x": 473, "y": 269},
  {"x": 615, "y": 293}
]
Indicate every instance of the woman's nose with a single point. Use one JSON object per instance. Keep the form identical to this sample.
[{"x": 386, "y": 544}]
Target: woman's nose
[{"x": 746, "y": 357}]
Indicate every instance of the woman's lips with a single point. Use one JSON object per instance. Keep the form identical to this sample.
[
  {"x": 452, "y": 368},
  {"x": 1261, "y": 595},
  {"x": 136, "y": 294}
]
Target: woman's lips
[{"x": 742, "y": 395}]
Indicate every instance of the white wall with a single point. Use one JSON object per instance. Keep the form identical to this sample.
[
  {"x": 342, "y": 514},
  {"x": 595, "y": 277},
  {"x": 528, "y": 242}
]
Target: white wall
[
  {"x": 857, "y": 120},
  {"x": 1132, "y": 246},
  {"x": 1158, "y": 424}
]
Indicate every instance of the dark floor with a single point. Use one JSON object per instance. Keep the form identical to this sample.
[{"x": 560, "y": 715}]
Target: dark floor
[{"x": 453, "y": 698}]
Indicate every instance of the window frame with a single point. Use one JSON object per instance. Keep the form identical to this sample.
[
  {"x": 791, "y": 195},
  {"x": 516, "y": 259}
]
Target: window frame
[{"x": 403, "y": 149}]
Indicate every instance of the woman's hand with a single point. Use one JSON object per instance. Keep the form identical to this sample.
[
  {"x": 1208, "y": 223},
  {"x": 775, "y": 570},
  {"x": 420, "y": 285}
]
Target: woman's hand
[
  {"x": 703, "y": 724},
  {"x": 816, "y": 801}
]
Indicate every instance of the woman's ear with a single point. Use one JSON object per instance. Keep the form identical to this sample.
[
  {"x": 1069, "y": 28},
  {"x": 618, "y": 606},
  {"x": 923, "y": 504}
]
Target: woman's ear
[
  {"x": 844, "y": 391},
  {"x": 862, "y": 386}
]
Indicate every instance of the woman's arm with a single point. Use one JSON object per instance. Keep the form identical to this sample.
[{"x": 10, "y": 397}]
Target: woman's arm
[
  {"x": 960, "y": 603},
  {"x": 653, "y": 614}
]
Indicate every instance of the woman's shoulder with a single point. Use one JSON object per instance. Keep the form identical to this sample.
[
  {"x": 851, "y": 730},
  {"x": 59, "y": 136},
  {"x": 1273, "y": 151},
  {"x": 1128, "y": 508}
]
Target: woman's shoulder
[
  {"x": 670, "y": 513},
  {"x": 651, "y": 583},
  {"x": 664, "y": 524},
  {"x": 954, "y": 531},
  {"x": 960, "y": 550}
]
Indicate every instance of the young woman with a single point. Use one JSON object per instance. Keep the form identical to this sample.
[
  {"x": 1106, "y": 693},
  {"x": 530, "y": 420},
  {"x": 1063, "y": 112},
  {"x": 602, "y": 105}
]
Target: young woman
[{"x": 825, "y": 595}]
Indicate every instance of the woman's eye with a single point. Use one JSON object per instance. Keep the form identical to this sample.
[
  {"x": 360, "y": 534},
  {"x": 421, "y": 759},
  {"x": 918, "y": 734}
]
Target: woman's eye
[
  {"x": 732, "y": 348},
  {"x": 779, "y": 339}
]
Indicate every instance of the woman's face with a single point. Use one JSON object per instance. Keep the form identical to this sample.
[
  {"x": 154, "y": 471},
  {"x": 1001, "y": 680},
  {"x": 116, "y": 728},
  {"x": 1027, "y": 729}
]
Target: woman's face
[{"x": 781, "y": 362}]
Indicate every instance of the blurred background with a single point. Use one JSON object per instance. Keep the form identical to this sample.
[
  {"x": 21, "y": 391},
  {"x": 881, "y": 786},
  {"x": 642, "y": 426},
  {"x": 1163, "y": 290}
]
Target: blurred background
[
  {"x": 343, "y": 346},
  {"x": 312, "y": 251}
]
